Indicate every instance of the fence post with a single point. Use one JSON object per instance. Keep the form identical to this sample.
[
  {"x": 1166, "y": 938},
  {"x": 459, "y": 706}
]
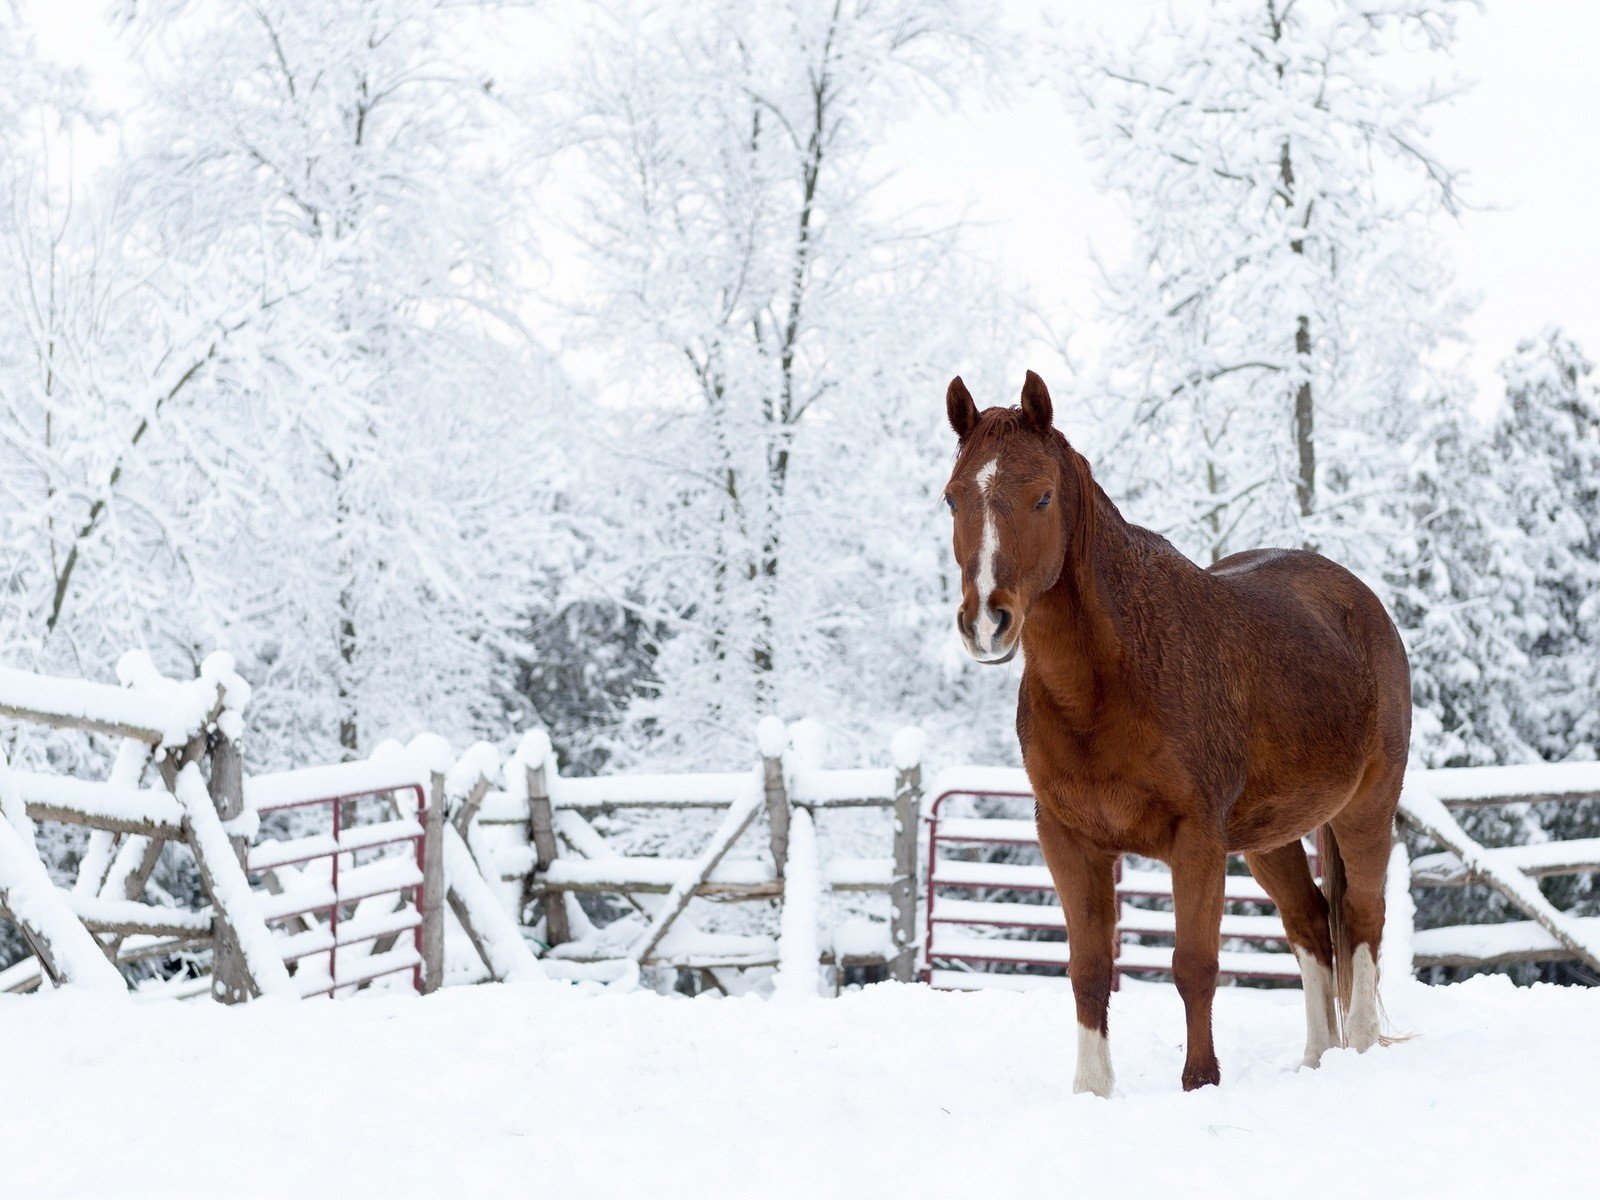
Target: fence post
[
  {"x": 542, "y": 833},
  {"x": 907, "y": 750},
  {"x": 433, "y": 886},
  {"x": 771, "y": 736},
  {"x": 230, "y": 977}
]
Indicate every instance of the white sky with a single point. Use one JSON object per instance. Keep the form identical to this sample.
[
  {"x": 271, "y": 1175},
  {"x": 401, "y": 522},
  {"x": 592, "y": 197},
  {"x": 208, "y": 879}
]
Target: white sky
[{"x": 1528, "y": 135}]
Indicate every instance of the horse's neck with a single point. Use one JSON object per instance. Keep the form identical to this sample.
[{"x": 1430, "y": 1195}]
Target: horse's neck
[{"x": 1075, "y": 639}]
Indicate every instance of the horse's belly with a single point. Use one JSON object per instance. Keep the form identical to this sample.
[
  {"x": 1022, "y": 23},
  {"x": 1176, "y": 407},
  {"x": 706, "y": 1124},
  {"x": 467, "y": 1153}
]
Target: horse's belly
[{"x": 1268, "y": 820}]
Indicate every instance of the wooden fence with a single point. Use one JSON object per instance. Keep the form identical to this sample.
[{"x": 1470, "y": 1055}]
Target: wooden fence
[
  {"x": 417, "y": 850},
  {"x": 550, "y": 851},
  {"x": 321, "y": 913},
  {"x": 993, "y": 921}
]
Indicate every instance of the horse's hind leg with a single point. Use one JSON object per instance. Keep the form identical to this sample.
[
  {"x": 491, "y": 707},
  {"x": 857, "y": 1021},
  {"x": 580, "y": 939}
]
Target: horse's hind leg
[
  {"x": 1363, "y": 834},
  {"x": 1286, "y": 876}
]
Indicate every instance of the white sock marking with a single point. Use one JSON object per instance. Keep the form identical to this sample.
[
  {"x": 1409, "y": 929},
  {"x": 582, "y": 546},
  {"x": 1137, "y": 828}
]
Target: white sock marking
[
  {"x": 1363, "y": 1029},
  {"x": 1321, "y": 1021},
  {"x": 1094, "y": 1063}
]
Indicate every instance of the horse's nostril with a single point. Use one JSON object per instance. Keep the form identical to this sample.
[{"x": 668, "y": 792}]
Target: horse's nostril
[
  {"x": 1002, "y": 621},
  {"x": 964, "y": 629}
]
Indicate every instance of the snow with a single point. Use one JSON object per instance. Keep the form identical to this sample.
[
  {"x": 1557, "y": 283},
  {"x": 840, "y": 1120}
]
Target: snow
[
  {"x": 798, "y": 947},
  {"x": 624, "y": 871},
  {"x": 1130, "y": 957},
  {"x": 233, "y": 895},
  {"x": 859, "y": 874},
  {"x": 948, "y": 910},
  {"x": 379, "y": 774},
  {"x": 312, "y": 890},
  {"x": 105, "y": 911},
  {"x": 168, "y": 713},
  {"x": 275, "y": 853},
  {"x": 1397, "y": 948},
  {"x": 896, "y": 1091},
  {"x": 106, "y": 802},
  {"x": 703, "y": 867},
  {"x": 1532, "y": 779},
  {"x": 1135, "y": 881},
  {"x": 1490, "y": 942},
  {"x": 534, "y": 749},
  {"x": 510, "y": 958},
  {"x": 429, "y": 749},
  {"x": 477, "y": 762},
  {"x": 771, "y": 737},
  {"x": 969, "y": 779},
  {"x": 1421, "y": 807},
  {"x": 28, "y": 892},
  {"x": 870, "y": 784},
  {"x": 1538, "y": 858},
  {"x": 907, "y": 746}
]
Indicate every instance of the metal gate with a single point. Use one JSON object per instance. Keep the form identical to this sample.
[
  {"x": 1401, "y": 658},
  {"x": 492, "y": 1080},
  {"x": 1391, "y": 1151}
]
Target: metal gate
[{"x": 984, "y": 919}]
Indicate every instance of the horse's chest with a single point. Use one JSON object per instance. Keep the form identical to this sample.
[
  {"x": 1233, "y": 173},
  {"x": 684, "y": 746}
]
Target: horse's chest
[{"x": 1107, "y": 798}]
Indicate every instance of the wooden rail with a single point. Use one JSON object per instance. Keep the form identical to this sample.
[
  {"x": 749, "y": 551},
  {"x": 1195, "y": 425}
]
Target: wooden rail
[{"x": 554, "y": 852}]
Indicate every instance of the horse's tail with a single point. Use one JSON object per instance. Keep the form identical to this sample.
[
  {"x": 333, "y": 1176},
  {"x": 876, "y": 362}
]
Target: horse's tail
[{"x": 1333, "y": 887}]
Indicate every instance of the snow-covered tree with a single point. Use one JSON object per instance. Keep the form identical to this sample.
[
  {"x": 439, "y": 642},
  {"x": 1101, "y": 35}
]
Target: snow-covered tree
[
  {"x": 338, "y": 165},
  {"x": 781, "y": 343},
  {"x": 1547, "y": 449},
  {"x": 1466, "y": 593},
  {"x": 103, "y": 350},
  {"x": 1274, "y": 331}
]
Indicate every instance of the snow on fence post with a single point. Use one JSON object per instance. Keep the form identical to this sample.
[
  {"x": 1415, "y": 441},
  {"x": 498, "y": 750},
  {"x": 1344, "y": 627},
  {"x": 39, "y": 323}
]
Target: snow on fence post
[
  {"x": 535, "y": 752},
  {"x": 906, "y": 748},
  {"x": 799, "y": 954},
  {"x": 1395, "y": 954},
  {"x": 433, "y": 885},
  {"x": 772, "y": 737}
]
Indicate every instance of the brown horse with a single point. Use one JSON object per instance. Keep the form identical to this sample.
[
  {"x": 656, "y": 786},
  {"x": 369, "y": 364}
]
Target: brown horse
[{"x": 1182, "y": 714}]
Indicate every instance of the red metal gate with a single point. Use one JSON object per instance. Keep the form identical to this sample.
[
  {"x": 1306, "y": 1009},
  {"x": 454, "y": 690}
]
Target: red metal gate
[
  {"x": 965, "y": 937},
  {"x": 349, "y": 883}
]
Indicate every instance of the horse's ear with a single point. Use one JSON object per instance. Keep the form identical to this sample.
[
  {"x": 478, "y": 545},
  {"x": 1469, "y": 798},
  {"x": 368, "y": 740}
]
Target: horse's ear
[
  {"x": 1036, "y": 403},
  {"x": 958, "y": 405}
]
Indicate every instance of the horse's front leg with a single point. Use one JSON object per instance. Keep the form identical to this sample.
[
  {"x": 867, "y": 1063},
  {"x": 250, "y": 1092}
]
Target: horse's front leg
[
  {"x": 1085, "y": 881},
  {"x": 1199, "y": 866}
]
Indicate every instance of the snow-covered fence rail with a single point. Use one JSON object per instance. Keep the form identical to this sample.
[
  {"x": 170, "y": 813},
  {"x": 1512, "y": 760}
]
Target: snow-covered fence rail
[
  {"x": 1548, "y": 935},
  {"x": 1002, "y": 915},
  {"x": 180, "y": 724},
  {"x": 536, "y": 833},
  {"x": 328, "y": 905},
  {"x": 997, "y": 923}
]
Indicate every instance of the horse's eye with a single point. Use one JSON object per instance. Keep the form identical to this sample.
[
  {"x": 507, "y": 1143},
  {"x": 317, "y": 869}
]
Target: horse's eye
[
  {"x": 1044, "y": 501},
  {"x": 950, "y": 503}
]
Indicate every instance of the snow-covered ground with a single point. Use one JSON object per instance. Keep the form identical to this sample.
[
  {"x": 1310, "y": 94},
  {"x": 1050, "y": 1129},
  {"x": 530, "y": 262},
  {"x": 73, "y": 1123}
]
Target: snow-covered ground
[{"x": 539, "y": 1090}]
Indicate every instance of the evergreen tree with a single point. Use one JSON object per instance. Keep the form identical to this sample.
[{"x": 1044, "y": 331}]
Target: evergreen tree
[{"x": 1547, "y": 446}]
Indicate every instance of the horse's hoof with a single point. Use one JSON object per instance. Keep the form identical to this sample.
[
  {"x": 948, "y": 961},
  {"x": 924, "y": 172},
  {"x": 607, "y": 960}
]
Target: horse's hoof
[
  {"x": 1093, "y": 1084},
  {"x": 1209, "y": 1075}
]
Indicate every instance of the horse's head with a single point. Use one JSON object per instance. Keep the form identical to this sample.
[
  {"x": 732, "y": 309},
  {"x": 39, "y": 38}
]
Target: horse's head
[{"x": 1010, "y": 515}]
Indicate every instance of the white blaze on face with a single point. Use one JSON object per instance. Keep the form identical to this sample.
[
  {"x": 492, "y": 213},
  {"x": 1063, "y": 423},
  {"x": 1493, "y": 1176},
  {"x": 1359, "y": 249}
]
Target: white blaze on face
[{"x": 985, "y": 625}]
